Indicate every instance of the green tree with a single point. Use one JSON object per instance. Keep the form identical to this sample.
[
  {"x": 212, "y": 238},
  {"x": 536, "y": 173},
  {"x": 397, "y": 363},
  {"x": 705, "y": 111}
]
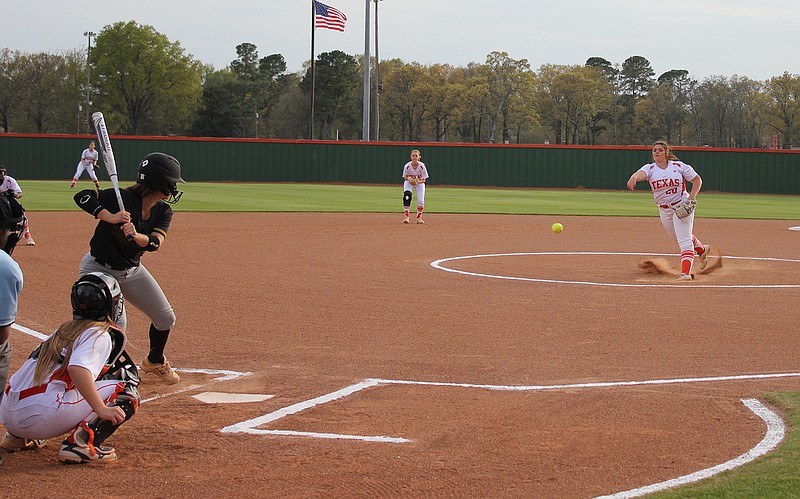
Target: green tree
[
  {"x": 505, "y": 77},
  {"x": 220, "y": 111},
  {"x": 147, "y": 84},
  {"x": 784, "y": 94},
  {"x": 337, "y": 105},
  {"x": 12, "y": 87}
]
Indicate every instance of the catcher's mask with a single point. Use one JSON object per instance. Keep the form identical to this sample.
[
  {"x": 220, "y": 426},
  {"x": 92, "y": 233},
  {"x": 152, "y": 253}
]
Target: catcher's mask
[
  {"x": 161, "y": 172},
  {"x": 12, "y": 219},
  {"x": 96, "y": 296}
]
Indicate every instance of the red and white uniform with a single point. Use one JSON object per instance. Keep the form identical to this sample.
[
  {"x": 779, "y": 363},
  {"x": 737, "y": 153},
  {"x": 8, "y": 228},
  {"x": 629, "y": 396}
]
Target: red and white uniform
[
  {"x": 10, "y": 183},
  {"x": 56, "y": 407},
  {"x": 89, "y": 158},
  {"x": 420, "y": 172},
  {"x": 669, "y": 188}
]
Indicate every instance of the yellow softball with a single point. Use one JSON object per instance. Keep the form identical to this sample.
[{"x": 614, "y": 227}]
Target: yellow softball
[{"x": 557, "y": 228}]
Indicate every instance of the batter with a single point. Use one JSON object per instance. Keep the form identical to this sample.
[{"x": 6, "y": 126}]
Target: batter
[
  {"x": 667, "y": 177},
  {"x": 121, "y": 238}
]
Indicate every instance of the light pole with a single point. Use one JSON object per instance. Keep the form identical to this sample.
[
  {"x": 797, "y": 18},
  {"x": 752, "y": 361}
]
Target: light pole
[
  {"x": 377, "y": 79},
  {"x": 89, "y": 35},
  {"x": 365, "y": 119}
]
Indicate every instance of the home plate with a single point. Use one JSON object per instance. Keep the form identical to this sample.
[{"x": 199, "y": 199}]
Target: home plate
[{"x": 230, "y": 398}]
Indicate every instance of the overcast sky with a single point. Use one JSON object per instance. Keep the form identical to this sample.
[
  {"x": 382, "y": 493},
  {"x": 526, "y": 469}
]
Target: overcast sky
[{"x": 757, "y": 39}]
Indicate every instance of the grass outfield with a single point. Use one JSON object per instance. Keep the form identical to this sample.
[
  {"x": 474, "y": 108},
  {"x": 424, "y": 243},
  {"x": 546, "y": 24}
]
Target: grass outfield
[
  {"x": 57, "y": 196},
  {"x": 775, "y": 475}
]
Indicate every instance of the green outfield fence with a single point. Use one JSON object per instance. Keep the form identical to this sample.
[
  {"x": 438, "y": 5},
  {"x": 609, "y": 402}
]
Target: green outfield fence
[{"x": 55, "y": 156}]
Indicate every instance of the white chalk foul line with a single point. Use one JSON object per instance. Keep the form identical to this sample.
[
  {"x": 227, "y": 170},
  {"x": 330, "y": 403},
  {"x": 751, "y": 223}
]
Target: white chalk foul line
[
  {"x": 249, "y": 426},
  {"x": 776, "y": 430},
  {"x": 438, "y": 264}
]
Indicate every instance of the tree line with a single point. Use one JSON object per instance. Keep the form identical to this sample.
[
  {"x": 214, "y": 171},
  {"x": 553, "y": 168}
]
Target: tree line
[{"x": 146, "y": 84}]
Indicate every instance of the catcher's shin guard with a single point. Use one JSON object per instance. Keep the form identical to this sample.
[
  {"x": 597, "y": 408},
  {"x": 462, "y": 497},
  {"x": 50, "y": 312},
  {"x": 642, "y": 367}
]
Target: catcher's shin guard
[{"x": 99, "y": 430}]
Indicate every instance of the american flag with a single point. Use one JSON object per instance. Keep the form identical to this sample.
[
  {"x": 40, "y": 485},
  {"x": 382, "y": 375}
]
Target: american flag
[{"x": 328, "y": 17}]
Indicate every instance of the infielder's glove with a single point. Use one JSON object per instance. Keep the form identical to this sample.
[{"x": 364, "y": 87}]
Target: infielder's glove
[
  {"x": 412, "y": 181},
  {"x": 685, "y": 208}
]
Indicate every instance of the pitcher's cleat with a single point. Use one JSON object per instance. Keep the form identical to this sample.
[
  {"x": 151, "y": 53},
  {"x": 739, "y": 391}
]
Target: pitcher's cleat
[{"x": 704, "y": 257}]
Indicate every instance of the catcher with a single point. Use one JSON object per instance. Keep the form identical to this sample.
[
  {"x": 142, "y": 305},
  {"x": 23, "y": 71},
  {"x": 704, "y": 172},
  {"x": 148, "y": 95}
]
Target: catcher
[
  {"x": 667, "y": 177},
  {"x": 79, "y": 381},
  {"x": 414, "y": 175}
]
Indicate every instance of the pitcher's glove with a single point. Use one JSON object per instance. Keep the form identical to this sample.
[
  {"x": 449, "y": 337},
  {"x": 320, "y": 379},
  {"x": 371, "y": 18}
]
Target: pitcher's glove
[{"x": 685, "y": 208}]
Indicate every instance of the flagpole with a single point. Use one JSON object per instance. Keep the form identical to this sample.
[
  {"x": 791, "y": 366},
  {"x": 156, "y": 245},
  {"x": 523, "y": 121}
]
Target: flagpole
[
  {"x": 365, "y": 124},
  {"x": 313, "y": 75}
]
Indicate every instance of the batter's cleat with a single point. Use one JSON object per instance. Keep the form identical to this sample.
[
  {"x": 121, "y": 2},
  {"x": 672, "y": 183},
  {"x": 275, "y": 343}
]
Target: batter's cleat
[
  {"x": 420, "y": 221},
  {"x": 168, "y": 375},
  {"x": 405, "y": 220},
  {"x": 29, "y": 241},
  {"x": 704, "y": 257},
  {"x": 10, "y": 443},
  {"x": 78, "y": 454},
  {"x": 685, "y": 277}
]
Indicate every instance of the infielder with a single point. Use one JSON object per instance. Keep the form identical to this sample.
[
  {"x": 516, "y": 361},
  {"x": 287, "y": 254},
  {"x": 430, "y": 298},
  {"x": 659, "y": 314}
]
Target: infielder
[
  {"x": 667, "y": 177},
  {"x": 121, "y": 238},
  {"x": 414, "y": 175},
  {"x": 88, "y": 162},
  {"x": 79, "y": 379},
  {"x": 9, "y": 185}
]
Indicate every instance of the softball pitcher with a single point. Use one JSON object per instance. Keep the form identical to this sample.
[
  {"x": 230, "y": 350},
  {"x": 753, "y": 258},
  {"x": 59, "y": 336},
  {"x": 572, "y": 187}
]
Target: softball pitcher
[
  {"x": 414, "y": 175},
  {"x": 88, "y": 163},
  {"x": 121, "y": 238},
  {"x": 78, "y": 379},
  {"x": 667, "y": 177}
]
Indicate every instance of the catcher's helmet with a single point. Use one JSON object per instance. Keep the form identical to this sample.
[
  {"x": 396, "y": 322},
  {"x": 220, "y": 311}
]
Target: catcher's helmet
[
  {"x": 96, "y": 296},
  {"x": 12, "y": 219},
  {"x": 161, "y": 172}
]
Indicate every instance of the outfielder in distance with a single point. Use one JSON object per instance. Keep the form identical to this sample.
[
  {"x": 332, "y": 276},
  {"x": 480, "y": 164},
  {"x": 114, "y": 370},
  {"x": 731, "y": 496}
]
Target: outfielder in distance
[
  {"x": 88, "y": 162},
  {"x": 667, "y": 177},
  {"x": 121, "y": 238},
  {"x": 414, "y": 175},
  {"x": 79, "y": 379}
]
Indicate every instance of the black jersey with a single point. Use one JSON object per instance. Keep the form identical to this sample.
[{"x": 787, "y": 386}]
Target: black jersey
[{"x": 109, "y": 245}]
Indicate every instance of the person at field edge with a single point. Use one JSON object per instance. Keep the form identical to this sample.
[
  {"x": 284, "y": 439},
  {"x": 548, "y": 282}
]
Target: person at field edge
[
  {"x": 122, "y": 237},
  {"x": 9, "y": 185},
  {"x": 12, "y": 221},
  {"x": 79, "y": 380},
  {"x": 667, "y": 176},
  {"x": 88, "y": 163},
  {"x": 415, "y": 173}
]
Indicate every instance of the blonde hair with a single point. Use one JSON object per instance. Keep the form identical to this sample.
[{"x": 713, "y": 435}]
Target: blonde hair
[
  {"x": 416, "y": 151},
  {"x": 668, "y": 150},
  {"x": 63, "y": 339}
]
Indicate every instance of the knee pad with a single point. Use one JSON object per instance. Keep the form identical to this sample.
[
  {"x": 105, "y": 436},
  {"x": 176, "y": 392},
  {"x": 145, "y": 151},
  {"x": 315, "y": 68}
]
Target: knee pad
[{"x": 407, "y": 198}]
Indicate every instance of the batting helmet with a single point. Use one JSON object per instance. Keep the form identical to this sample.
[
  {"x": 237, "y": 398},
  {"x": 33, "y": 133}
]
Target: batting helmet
[
  {"x": 12, "y": 219},
  {"x": 96, "y": 296},
  {"x": 161, "y": 172}
]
